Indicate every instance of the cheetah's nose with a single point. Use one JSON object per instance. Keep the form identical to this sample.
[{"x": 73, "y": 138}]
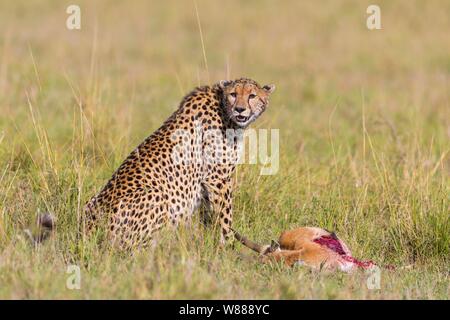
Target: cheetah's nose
[{"x": 239, "y": 109}]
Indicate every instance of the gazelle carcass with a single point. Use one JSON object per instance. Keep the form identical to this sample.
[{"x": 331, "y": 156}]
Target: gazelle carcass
[{"x": 313, "y": 247}]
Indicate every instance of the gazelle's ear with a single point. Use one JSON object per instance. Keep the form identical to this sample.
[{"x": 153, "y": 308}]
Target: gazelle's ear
[
  {"x": 274, "y": 246},
  {"x": 269, "y": 88},
  {"x": 224, "y": 83}
]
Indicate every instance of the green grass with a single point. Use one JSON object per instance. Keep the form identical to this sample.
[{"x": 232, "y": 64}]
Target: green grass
[{"x": 364, "y": 141}]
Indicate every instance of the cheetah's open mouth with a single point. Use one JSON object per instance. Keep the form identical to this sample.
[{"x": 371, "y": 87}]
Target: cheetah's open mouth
[{"x": 240, "y": 118}]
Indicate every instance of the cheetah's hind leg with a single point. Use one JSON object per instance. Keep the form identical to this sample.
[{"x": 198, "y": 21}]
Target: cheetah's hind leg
[{"x": 137, "y": 218}]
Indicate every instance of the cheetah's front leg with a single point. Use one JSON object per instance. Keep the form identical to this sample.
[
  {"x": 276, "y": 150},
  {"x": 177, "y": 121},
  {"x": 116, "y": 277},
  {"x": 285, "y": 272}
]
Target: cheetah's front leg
[{"x": 220, "y": 201}]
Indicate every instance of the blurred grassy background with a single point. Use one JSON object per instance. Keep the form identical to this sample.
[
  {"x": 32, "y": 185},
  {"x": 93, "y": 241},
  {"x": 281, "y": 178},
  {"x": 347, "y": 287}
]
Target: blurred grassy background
[{"x": 364, "y": 139}]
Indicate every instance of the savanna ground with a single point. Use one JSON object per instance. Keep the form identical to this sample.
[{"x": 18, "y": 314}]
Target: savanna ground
[{"x": 364, "y": 140}]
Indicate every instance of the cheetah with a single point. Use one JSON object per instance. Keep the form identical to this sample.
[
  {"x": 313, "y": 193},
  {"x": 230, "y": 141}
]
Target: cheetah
[{"x": 181, "y": 166}]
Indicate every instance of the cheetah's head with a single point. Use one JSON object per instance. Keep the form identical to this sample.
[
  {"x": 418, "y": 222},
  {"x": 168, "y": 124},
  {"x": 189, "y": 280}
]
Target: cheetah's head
[{"x": 245, "y": 100}]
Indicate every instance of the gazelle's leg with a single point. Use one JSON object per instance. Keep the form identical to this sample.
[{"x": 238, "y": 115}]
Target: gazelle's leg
[{"x": 289, "y": 257}]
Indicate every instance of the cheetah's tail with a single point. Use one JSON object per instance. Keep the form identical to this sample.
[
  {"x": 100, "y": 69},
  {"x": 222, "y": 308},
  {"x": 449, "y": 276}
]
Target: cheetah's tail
[{"x": 45, "y": 225}]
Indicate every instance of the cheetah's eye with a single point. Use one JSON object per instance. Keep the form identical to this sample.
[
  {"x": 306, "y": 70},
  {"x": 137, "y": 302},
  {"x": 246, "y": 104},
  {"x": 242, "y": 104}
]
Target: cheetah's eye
[
  {"x": 233, "y": 94},
  {"x": 252, "y": 96}
]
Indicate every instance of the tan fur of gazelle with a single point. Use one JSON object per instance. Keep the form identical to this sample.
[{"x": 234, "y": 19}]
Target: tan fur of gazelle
[{"x": 298, "y": 247}]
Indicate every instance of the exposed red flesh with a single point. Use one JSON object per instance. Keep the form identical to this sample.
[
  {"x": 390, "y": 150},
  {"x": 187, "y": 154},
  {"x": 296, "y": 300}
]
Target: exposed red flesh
[
  {"x": 335, "y": 245},
  {"x": 331, "y": 243}
]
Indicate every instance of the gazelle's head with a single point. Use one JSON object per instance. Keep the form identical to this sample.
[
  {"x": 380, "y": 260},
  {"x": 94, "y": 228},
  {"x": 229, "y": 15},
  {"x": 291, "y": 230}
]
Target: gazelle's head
[{"x": 261, "y": 249}]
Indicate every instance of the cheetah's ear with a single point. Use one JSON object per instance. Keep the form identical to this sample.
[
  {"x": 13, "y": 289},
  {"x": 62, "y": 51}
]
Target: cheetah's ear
[
  {"x": 224, "y": 83},
  {"x": 269, "y": 88}
]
